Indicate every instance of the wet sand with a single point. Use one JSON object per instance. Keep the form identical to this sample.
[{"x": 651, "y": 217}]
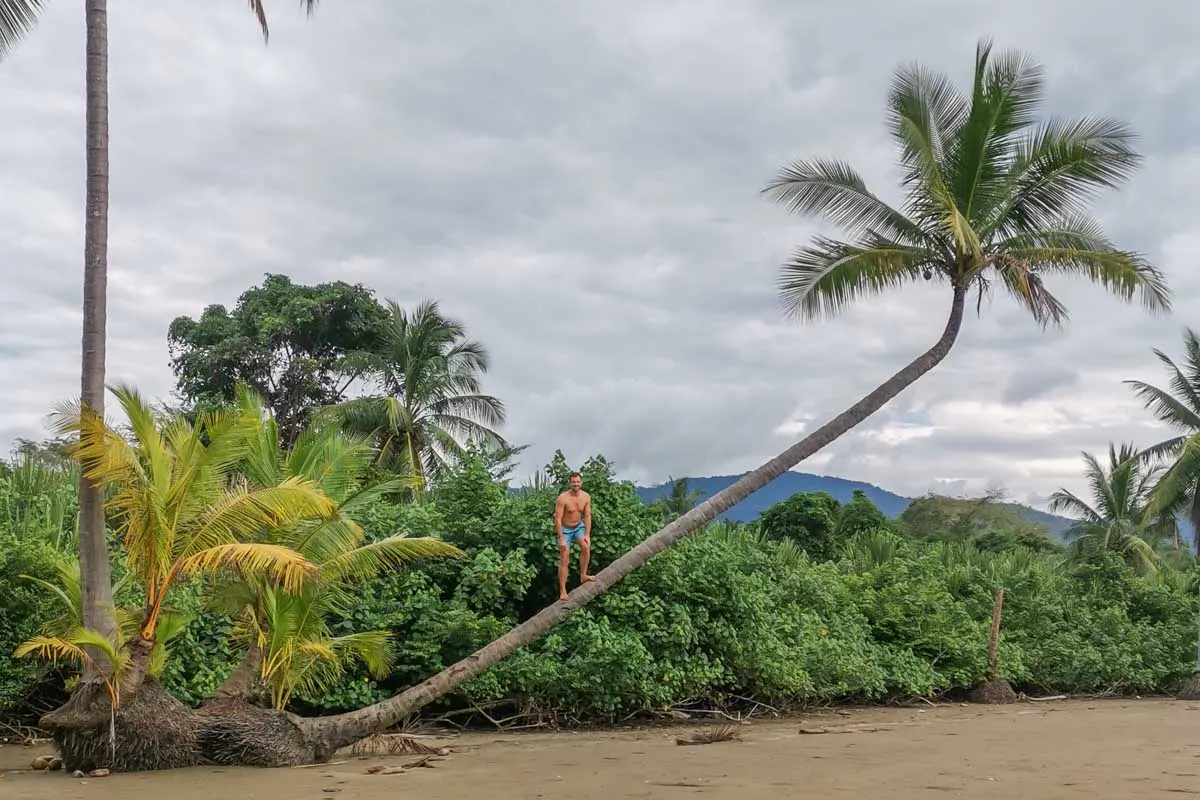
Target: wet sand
[{"x": 1119, "y": 749}]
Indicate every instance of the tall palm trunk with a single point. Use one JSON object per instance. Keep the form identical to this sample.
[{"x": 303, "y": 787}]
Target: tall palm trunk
[
  {"x": 343, "y": 729},
  {"x": 96, "y": 582}
]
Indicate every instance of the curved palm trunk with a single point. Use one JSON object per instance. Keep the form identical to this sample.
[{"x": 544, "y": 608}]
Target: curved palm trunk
[
  {"x": 344, "y": 729},
  {"x": 242, "y": 683},
  {"x": 96, "y": 581}
]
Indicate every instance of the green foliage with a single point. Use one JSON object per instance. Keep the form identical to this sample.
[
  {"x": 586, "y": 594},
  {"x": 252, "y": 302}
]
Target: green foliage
[
  {"x": 807, "y": 518},
  {"x": 857, "y": 516},
  {"x": 985, "y": 522},
  {"x": 734, "y": 612},
  {"x": 298, "y": 346},
  {"x": 24, "y": 610}
]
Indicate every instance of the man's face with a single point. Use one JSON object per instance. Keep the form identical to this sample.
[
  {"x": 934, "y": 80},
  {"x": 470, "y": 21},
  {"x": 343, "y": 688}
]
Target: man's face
[{"x": 576, "y": 483}]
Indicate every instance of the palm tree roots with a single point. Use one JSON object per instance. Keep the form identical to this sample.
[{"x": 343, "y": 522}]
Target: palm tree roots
[
  {"x": 155, "y": 731},
  {"x": 995, "y": 691}
]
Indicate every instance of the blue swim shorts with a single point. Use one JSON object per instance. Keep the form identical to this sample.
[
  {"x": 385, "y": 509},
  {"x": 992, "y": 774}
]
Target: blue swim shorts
[{"x": 573, "y": 535}]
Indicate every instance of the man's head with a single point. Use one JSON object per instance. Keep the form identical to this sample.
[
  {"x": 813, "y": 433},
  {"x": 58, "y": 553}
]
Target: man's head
[{"x": 575, "y": 481}]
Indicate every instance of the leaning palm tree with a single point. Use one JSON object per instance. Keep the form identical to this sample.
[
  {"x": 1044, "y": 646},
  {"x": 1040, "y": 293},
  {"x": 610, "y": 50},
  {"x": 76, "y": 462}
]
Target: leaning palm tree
[
  {"x": 1120, "y": 517},
  {"x": 993, "y": 198},
  {"x": 1178, "y": 406},
  {"x": 432, "y": 403}
]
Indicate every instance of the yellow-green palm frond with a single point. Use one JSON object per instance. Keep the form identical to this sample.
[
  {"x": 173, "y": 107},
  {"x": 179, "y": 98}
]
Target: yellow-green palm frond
[
  {"x": 170, "y": 625},
  {"x": 391, "y": 553},
  {"x": 241, "y": 512},
  {"x": 323, "y": 540},
  {"x": 334, "y": 460},
  {"x": 282, "y": 564},
  {"x": 104, "y": 456},
  {"x": 72, "y": 646}
]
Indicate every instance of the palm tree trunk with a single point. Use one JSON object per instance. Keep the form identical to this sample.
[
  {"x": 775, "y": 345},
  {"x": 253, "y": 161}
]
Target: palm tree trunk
[
  {"x": 96, "y": 588},
  {"x": 242, "y": 682},
  {"x": 344, "y": 729},
  {"x": 994, "y": 638}
]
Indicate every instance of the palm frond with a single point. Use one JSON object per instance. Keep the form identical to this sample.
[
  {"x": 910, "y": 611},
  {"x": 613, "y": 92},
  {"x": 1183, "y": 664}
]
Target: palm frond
[
  {"x": 284, "y": 565},
  {"x": 72, "y": 647},
  {"x": 1077, "y": 247},
  {"x": 17, "y": 18},
  {"x": 241, "y": 511},
  {"x": 391, "y": 553},
  {"x": 824, "y": 277},
  {"x": 1007, "y": 90},
  {"x": 1058, "y": 168},
  {"x": 832, "y": 190}
]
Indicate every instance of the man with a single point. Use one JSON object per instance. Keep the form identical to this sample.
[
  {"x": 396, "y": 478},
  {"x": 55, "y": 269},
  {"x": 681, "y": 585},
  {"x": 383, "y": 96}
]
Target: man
[{"x": 573, "y": 523}]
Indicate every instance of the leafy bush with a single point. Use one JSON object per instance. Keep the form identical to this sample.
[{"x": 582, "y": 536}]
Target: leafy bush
[{"x": 818, "y": 603}]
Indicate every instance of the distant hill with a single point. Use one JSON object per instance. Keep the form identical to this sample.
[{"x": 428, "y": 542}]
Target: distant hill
[{"x": 789, "y": 483}]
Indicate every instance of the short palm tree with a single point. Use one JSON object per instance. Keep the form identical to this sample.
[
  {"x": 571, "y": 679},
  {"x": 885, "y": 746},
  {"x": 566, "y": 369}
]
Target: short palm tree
[
  {"x": 1120, "y": 517},
  {"x": 285, "y": 629},
  {"x": 432, "y": 403},
  {"x": 1178, "y": 406},
  {"x": 180, "y": 507}
]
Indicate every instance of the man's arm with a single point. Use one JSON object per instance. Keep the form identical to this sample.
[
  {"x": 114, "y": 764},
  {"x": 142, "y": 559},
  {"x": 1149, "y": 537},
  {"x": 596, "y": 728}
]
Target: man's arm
[
  {"x": 559, "y": 506},
  {"x": 587, "y": 517}
]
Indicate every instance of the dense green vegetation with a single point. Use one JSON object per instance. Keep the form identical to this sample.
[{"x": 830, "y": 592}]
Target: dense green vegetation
[{"x": 818, "y": 602}]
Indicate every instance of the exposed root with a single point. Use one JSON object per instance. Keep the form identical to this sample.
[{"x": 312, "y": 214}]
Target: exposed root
[
  {"x": 151, "y": 730},
  {"x": 235, "y": 734},
  {"x": 395, "y": 744},
  {"x": 723, "y": 733},
  {"x": 997, "y": 691},
  {"x": 1191, "y": 689}
]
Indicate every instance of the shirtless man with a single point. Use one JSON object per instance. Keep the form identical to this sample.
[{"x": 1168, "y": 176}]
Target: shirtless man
[{"x": 573, "y": 523}]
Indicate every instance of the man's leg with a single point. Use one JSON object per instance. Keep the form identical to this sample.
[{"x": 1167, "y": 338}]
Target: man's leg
[
  {"x": 585, "y": 555},
  {"x": 564, "y": 558}
]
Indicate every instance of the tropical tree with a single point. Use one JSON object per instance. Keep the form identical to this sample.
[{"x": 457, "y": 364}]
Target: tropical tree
[
  {"x": 678, "y": 498},
  {"x": 288, "y": 642},
  {"x": 180, "y": 510},
  {"x": 432, "y": 404},
  {"x": 297, "y": 346},
  {"x": 1178, "y": 406},
  {"x": 1120, "y": 517}
]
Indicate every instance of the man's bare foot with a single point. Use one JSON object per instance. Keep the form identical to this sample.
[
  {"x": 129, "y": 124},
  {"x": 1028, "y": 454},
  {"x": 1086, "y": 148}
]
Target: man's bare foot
[
  {"x": 586, "y": 578},
  {"x": 563, "y": 595}
]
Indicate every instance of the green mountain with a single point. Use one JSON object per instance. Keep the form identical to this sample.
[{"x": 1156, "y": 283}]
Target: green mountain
[{"x": 789, "y": 483}]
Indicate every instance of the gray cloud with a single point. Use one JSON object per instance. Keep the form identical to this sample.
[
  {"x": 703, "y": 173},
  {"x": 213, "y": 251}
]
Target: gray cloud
[
  {"x": 1031, "y": 382},
  {"x": 579, "y": 183}
]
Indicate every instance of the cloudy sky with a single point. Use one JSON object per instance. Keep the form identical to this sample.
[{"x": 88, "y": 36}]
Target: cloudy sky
[{"x": 578, "y": 181}]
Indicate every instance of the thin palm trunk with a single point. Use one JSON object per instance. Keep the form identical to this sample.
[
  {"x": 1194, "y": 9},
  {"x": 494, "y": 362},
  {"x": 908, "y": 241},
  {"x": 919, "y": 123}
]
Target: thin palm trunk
[
  {"x": 96, "y": 587},
  {"x": 994, "y": 638},
  {"x": 344, "y": 729}
]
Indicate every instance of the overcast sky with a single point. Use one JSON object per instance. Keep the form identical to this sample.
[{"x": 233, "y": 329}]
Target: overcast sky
[{"x": 578, "y": 181}]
